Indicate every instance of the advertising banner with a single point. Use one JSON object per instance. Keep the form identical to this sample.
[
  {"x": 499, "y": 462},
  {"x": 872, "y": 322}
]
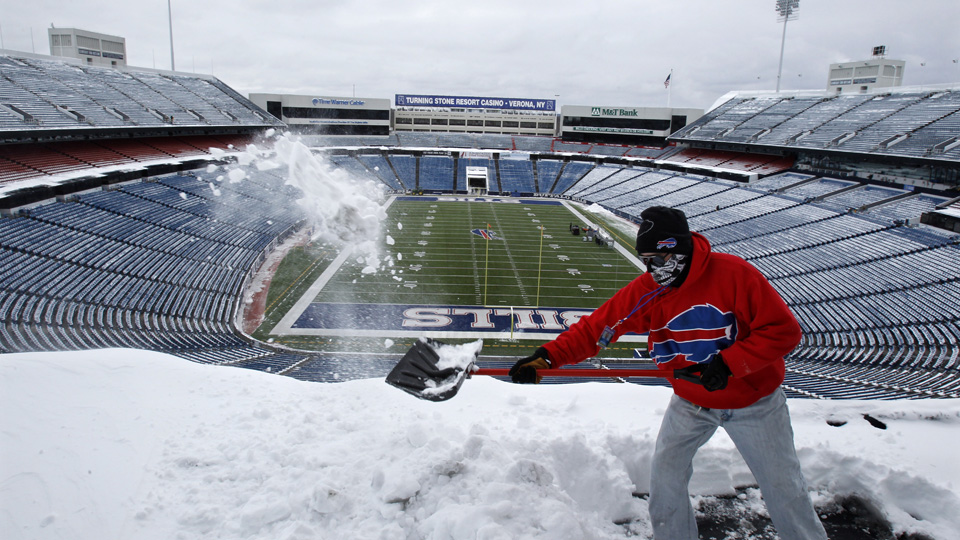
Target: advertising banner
[{"x": 408, "y": 100}]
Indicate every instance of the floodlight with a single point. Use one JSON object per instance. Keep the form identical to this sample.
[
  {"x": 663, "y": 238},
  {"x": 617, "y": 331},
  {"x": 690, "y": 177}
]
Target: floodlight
[{"x": 787, "y": 9}]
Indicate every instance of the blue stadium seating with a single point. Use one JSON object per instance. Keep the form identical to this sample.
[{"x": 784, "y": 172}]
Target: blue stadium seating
[
  {"x": 157, "y": 265},
  {"x": 406, "y": 167},
  {"x": 379, "y": 166},
  {"x": 572, "y": 172},
  {"x": 59, "y": 95},
  {"x": 516, "y": 176},
  {"x": 547, "y": 172},
  {"x": 436, "y": 173},
  {"x": 161, "y": 264},
  {"x": 897, "y": 122}
]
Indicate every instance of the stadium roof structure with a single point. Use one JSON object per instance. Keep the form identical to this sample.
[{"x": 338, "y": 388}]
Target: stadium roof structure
[{"x": 46, "y": 99}]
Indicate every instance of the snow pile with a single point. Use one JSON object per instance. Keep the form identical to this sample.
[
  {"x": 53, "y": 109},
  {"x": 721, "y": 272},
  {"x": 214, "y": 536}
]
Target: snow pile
[
  {"x": 456, "y": 357},
  {"x": 133, "y": 444},
  {"x": 626, "y": 228}
]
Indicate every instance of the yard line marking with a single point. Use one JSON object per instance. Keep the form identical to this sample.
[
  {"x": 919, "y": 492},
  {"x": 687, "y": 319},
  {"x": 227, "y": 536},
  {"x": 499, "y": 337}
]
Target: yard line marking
[
  {"x": 513, "y": 264},
  {"x": 476, "y": 269}
]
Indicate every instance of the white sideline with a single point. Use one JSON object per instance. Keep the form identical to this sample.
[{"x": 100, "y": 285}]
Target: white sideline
[
  {"x": 627, "y": 253},
  {"x": 285, "y": 326}
]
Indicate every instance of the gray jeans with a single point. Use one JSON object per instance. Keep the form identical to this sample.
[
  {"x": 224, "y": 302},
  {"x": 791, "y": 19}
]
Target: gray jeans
[{"x": 764, "y": 437}]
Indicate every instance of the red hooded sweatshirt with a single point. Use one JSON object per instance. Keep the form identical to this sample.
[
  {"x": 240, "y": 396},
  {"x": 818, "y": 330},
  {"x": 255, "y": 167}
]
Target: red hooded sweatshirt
[{"x": 724, "y": 304}]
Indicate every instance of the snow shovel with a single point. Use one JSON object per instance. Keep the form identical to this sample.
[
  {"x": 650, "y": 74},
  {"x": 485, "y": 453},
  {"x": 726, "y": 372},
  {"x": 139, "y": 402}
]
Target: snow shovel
[{"x": 424, "y": 374}]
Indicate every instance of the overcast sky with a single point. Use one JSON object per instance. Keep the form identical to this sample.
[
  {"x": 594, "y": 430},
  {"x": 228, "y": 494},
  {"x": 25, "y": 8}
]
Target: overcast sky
[{"x": 614, "y": 53}]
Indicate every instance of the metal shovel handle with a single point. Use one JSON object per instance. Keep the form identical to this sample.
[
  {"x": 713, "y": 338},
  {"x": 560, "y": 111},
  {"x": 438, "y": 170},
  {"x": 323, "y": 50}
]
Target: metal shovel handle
[{"x": 620, "y": 373}]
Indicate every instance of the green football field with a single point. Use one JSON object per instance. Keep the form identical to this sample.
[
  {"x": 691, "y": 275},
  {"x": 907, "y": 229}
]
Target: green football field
[{"x": 506, "y": 270}]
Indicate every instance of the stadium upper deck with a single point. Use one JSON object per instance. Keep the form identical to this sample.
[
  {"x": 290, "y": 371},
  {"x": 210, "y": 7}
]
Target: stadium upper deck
[
  {"x": 43, "y": 99},
  {"x": 904, "y": 123}
]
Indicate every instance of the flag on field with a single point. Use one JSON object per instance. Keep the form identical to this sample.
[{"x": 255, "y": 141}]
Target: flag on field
[{"x": 666, "y": 82}]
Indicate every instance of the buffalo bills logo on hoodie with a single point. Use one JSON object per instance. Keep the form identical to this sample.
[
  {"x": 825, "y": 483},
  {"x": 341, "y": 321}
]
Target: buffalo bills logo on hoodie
[{"x": 698, "y": 333}]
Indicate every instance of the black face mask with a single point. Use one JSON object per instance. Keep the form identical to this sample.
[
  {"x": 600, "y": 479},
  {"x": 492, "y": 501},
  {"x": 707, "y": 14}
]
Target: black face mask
[{"x": 666, "y": 272}]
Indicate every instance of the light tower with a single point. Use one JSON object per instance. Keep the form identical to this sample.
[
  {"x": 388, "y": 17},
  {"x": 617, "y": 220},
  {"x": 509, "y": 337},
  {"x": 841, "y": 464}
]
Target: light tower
[
  {"x": 787, "y": 10},
  {"x": 173, "y": 67}
]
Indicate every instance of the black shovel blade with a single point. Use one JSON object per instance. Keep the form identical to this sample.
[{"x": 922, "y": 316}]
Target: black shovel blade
[{"x": 417, "y": 373}]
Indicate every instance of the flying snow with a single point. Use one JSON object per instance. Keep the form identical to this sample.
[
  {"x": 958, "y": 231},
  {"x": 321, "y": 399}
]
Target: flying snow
[
  {"x": 344, "y": 210},
  {"x": 237, "y": 175}
]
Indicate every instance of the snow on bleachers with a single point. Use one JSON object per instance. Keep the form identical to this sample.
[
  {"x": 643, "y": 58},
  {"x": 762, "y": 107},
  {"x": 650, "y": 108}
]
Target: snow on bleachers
[
  {"x": 406, "y": 167},
  {"x": 609, "y": 150},
  {"x": 907, "y": 122},
  {"x": 817, "y": 188},
  {"x": 854, "y": 116},
  {"x": 910, "y": 208},
  {"x": 621, "y": 187},
  {"x": 572, "y": 147},
  {"x": 652, "y": 153},
  {"x": 654, "y": 184},
  {"x": 779, "y": 181},
  {"x": 692, "y": 198},
  {"x": 596, "y": 180},
  {"x": 862, "y": 196},
  {"x": 548, "y": 170},
  {"x": 572, "y": 173},
  {"x": 352, "y": 165},
  {"x": 516, "y": 175},
  {"x": 140, "y": 266},
  {"x": 80, "y": 97},
  {"x": 378, "y": 164},
  {"x": 146, "y": 264},
  {"x": 737, "y": 161},
  {"x": 436, "y": 173},
  {"x": 532, "y": 144},
  {"x": 416, "y": 139}
]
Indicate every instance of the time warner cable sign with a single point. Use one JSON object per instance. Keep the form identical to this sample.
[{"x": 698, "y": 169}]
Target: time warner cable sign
[{"x": 408, "y": 100}]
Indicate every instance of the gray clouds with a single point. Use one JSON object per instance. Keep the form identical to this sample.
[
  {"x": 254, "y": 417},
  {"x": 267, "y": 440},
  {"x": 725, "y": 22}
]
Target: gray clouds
[{"x": 599, "y": 53}]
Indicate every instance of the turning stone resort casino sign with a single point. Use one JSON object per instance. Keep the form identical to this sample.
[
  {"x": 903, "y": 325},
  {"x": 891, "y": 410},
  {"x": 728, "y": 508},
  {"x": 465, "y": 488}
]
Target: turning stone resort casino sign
[{"x": 467, "y": 102}]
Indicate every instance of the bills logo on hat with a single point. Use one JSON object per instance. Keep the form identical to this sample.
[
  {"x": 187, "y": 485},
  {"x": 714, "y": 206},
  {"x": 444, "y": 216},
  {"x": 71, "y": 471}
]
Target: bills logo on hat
[{"x": 668, "y": 243}]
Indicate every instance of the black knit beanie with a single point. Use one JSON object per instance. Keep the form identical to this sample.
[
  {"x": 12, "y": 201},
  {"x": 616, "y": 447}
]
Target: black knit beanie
[{"x": 664, "y": 230}]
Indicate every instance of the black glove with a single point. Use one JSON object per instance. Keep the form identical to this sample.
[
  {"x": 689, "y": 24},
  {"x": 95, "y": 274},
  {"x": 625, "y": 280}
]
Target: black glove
[
  {"x": 525, "y": 370},
  {"x": 712, "y": 375}
]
